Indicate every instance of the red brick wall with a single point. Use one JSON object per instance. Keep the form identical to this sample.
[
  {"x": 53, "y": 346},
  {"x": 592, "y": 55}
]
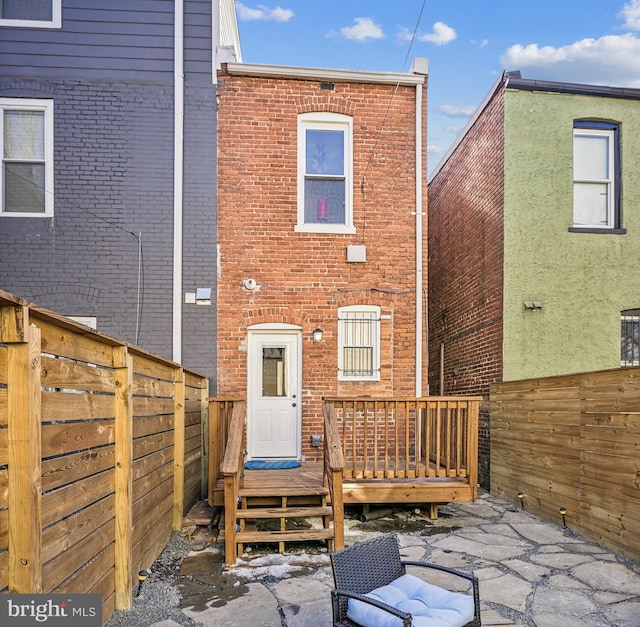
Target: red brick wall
[
  {"x": 465, "y": 267},
  {"x": 304, "y": 277}
]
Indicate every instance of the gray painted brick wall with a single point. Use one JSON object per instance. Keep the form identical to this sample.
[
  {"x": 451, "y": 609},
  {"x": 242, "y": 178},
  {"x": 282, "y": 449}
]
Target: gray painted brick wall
[{"x": 113, "y": 170}]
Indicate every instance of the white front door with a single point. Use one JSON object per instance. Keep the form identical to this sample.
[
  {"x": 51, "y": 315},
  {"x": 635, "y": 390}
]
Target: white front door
[{"x": 274, "y": 373}]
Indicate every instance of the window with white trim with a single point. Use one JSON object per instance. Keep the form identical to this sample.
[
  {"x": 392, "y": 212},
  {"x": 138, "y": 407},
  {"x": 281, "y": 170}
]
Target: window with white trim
[
  {"x": 325, "y": 173},
  {"x": 630, "y": 337},
  {"x": 359, "y": 343},
  {"x": 596, "y": 202},
  {"x": 26, "y": 146},
  {"x": 31, "y": 13}
]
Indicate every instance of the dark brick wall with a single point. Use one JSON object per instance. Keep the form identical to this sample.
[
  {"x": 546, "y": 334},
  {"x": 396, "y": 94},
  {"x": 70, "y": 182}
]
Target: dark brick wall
[
  {"x": 113, "y": 162},
  {"x": 465, "y": 267}
]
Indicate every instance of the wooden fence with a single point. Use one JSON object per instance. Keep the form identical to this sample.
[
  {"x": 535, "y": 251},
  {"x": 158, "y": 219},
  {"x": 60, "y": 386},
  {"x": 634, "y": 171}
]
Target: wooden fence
[
  {"x": 572, "y": 442},
  {"x": 102, "y": 448}
]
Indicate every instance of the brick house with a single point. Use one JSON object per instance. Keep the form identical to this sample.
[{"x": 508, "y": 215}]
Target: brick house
[
  {"x": 529, "y": 246},
  {"x": 108, "y": 200},
  {"x": 322, "y": 244}
]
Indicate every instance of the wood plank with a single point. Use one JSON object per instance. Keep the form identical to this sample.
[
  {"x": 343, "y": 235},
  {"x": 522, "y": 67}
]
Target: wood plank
[
  {"x": 161, "y": 514},
  {"x": 62, "y": 406},
  {"x": 62, "y": 535},
  {"x": 123, "y": 382},
  {"x": 3, "y": 405},
  {"x": 74, "y": 342},
  {"x": 283, "y": 512},
  {"x": 3, "y": 365},
  {"x": 24, "y": 455},
  {"x": 65, "y": 500},
  {"x": 178, "y": 450},
  {"x": 145, "y": 465},
  {"x": 152, "y": 443},
  {"x": 62, "y": 438},
  {"x": 14, "y": 322},
  {"x": 284, "y": 536},
  {"x": 152, "y": 424},
  {"x": 147, "y": 406},
  {"x": 91, "y": 575},
  {"x": 76, "y": 556},
  {"x": 146, "y": 364},
  {"x": 143, "y": 485},
  {"x": 60, "y": 471},
  {"x": 147, "y": 501},
  {"x": 147, "y": 386},
  {"x": 63, "y": 373}
]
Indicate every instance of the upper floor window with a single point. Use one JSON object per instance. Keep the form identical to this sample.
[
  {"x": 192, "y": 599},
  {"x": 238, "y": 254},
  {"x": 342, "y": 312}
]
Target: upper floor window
[
  {"x": 325, "y": 173},
  {"x": 630, "y": 337},
  {"x": 359, "y": 343},
  {"x": 596, "y": 185},
  {"x": 31, "y": 13},
  {"x": 26, "y": 145}
]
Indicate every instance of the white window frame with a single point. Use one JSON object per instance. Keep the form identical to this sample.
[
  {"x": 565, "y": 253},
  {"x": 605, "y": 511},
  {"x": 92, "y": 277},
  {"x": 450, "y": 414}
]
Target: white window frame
[
  {"x": 55, "y": 22},
  {"x": 610, "y": 181},
  {"x": 334, "y": 122},
  {"x": 24, "y": 104},
  {"x": 343, "y": 312}
]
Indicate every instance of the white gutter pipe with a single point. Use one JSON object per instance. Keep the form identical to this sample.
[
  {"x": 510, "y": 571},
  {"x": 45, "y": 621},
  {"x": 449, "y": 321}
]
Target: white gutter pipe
[
  {"x": 178, "y": 172},
  {"x": 419, "y": 253}
]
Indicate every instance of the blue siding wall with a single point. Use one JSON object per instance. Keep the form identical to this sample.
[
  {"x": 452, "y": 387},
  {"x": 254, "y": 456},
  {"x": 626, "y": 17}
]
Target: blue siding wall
[{"x": 109, "y": 72}]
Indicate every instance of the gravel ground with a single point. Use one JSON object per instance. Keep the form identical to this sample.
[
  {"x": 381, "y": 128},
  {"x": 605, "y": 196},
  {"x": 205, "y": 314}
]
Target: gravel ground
[{"x": 159, "y": 598}]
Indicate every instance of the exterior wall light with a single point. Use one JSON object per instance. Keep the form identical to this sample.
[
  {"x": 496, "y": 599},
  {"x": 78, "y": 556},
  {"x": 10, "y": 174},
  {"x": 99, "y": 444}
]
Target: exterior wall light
[{"x": 317, "y": 335}]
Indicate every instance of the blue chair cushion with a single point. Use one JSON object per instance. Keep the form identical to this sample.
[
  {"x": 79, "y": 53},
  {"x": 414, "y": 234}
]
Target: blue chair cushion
[{"x": 429, "y": 605}]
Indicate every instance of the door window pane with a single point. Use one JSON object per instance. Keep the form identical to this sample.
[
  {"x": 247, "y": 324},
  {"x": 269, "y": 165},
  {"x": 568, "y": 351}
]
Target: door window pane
[{"x": 274, "y": 371}]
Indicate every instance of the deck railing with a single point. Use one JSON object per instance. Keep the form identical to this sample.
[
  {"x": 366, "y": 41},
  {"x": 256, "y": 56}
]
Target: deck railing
[
  {"x": 220, "y": 413},
  {"x": 333, "y": 471},
  {"x": 431, "y": 437},
  {"x": 231, "y": 469}
]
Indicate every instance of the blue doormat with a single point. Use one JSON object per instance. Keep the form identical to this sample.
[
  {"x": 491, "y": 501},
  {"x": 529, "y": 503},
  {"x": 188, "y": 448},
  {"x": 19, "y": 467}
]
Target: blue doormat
[{"x": 259, "y": 464}]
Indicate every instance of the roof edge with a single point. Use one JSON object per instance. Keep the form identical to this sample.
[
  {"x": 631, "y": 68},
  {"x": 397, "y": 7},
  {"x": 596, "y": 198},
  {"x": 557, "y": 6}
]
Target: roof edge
[
  {"x": 307, "y": 73},
  {"x": 467, "y": 127}
]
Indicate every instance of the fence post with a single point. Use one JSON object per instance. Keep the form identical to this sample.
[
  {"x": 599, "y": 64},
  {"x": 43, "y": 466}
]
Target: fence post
[
  {"x": 204, "y": 426},
  {"x": 178, "y": 448},
  {"x": 24, "y": 415},
  {"x": 214, "y": 460},
  {"x": 123, "y": 383}
]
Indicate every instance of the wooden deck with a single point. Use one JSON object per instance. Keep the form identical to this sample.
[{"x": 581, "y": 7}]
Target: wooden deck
[{"x": 421, "y": 451}]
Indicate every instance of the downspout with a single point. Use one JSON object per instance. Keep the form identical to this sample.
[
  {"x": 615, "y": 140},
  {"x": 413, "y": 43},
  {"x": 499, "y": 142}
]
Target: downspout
[
  {"x": 178, "y": 173},
  {"x": 419, "y": 277}
]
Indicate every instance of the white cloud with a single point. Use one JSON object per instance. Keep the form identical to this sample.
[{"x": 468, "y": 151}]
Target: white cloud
[
  {"x": 441, "y": 35},
  {"x": 263, "y": 13},
  {"x": 363, "y": 30},
  {"x": 456, "y": 111},
  {"x": 432, "y": 149},
  {"x": 610, "y": 60},
  {"x": 631, "y": 15},
  {"x": 453, "y": 128}
]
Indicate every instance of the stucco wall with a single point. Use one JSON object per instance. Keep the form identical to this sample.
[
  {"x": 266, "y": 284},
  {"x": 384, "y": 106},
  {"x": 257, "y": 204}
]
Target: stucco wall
[{"x": 583, "y": 280}]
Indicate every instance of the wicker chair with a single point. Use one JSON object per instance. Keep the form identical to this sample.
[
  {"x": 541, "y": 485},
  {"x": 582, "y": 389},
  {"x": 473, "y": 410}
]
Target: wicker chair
[{"x": 369, "y": 565}]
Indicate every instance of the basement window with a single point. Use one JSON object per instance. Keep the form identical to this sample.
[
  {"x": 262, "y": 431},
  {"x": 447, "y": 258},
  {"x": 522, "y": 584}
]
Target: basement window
[{"x": 359, "y": 343}]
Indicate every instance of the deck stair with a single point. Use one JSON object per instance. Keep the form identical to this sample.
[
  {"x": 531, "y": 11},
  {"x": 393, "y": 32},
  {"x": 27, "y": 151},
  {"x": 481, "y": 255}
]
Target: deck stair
[{"x": 297, "y": 514}]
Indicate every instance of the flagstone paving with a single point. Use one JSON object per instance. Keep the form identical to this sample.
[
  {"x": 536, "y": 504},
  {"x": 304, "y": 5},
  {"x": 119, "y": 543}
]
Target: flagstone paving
[{"x": 532, "y": 574}]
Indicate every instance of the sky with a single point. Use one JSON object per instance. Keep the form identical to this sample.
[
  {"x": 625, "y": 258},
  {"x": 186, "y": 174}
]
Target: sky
[{"x": 469, "y": 43}]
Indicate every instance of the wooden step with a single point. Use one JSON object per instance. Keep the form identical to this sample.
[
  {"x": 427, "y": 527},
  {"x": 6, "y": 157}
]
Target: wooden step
[
  {"x": 283, "y": 512},
  {"x": 243, "y": 537},
  {"x": 285, "y": 491}
]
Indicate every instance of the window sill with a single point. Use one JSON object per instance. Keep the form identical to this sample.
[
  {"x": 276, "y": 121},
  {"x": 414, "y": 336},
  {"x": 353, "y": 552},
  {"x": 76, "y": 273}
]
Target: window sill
[
  {"x": 339, "y": 229},
  {"x": 592, "y": 229},
  {"x": 16, "y": 214}
]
